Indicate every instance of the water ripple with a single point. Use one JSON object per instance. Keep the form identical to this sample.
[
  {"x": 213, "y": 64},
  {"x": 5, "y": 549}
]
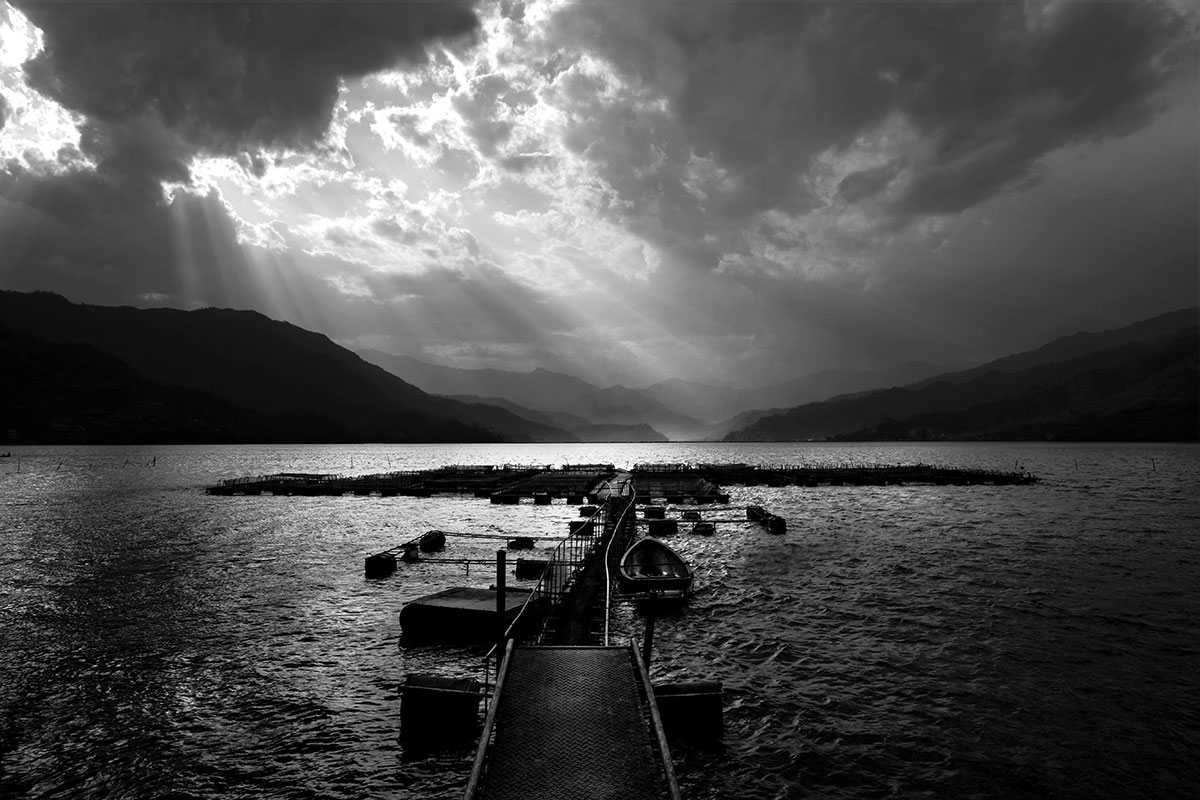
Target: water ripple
[{"x": 918, "y": 641}]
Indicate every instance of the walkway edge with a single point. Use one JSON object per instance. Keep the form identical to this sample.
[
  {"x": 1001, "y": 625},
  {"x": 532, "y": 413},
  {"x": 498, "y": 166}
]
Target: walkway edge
[
  {"x": 656, "y": 721},
  {"x": 488, "y": 724}
]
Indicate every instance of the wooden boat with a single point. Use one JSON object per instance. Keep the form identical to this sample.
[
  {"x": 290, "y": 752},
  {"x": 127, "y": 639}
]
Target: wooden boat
[{"x": 650, "y": 566}]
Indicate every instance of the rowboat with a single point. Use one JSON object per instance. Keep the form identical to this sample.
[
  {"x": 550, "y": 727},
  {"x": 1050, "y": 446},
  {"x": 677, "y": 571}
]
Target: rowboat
[{"x": 650, "y": 566}]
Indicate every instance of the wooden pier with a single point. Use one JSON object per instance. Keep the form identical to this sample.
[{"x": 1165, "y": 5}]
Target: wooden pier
[
  {"x": 573, "y": 722},
  {"x": 570, "y": 715}
]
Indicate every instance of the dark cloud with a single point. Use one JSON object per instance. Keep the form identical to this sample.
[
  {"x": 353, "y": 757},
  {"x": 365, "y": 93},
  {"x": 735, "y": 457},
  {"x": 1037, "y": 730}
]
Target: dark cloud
[
  {"x": 157, "y": 83},
  {"x": 765, "y": 87},
  {"x": 523, "y": 162},
  {"x": 225, "y": 77},
  {"x": 868, "y": 182}
]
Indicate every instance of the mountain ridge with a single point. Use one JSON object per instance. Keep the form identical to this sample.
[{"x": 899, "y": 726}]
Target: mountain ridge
[
  {"x": 995, "y": 400},
  {"x": 263, "y": 366}
]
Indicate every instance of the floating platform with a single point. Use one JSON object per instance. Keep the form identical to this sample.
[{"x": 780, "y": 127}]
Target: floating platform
[
  {"x": 673, "y": 483},
  {"x": 860, "y": 475},
  {"x": 459, "y": 614}
]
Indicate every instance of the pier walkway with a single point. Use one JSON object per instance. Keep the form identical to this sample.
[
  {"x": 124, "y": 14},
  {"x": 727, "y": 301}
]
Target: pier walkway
[{"x": 573, "y": 722}]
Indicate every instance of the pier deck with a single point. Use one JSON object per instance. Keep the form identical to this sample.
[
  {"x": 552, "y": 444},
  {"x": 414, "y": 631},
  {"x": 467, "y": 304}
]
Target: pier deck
[{"x": 573, "y": 722}]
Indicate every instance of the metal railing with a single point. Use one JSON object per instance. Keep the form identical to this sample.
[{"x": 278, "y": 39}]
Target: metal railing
[
  {"x": 622, "y": 532},
  {"x": 616, "y": 516}
]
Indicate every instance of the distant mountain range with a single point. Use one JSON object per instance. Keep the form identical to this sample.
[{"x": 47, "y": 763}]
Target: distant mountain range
[
  {"x": 678, "y": 409},
  {"x": 1141, "y": 382},
  {"x": 79, "y": 373},
  {"x": 90, "y": 374}
]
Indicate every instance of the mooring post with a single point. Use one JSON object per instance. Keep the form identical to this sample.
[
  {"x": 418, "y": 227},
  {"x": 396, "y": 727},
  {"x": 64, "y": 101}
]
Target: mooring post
[
  {"x": 648, "y": 642},
  {"x": 500, "y": 604}
]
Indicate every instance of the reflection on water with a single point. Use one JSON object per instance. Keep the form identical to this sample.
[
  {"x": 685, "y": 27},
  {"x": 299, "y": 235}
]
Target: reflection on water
[{"x": 898, "y": 641}]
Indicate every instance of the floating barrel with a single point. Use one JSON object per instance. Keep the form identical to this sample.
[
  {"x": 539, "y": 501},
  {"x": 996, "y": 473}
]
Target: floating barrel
[
  {"x": 654, "y": 512},
  {"x": 663, "y": 527},
  {"x": 432, "y": 540},
  {"x": 380, "y": 565},
  {"x": 520, "y": 543},
  {"x": 530, "y": 568},
  {"x": 438, "y": 712},
  {"x": 691, "y": 710}
]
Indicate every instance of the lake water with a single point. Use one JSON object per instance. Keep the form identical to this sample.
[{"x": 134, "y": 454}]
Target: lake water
[{"x": 1023, "y": 641}]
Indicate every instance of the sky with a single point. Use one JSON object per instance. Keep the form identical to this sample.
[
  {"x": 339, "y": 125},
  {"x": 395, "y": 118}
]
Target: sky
[{"x": 726, "y": 191}]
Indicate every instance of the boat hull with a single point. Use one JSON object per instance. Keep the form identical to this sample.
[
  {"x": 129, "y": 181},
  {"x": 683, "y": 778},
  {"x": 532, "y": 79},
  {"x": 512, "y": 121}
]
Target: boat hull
[{"x": 651, "y": 566}]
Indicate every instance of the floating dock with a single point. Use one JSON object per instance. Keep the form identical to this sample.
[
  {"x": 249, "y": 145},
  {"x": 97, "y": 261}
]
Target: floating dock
[
  {"x": 673, "y": 483},
  {"x": 459, "y": 614},
  {"x": 573, "y": 722}
]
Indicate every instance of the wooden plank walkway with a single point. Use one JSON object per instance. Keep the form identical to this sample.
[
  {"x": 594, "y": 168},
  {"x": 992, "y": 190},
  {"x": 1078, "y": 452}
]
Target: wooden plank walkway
[{"x": 571, "y": 723}]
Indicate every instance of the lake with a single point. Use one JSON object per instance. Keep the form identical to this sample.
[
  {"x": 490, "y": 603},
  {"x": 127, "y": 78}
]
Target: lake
[{"x": 902, "y": 641}]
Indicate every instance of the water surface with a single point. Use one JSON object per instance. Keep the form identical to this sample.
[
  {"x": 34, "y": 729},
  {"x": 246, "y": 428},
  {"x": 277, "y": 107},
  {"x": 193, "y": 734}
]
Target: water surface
[{"x": 1036, "y": 641}]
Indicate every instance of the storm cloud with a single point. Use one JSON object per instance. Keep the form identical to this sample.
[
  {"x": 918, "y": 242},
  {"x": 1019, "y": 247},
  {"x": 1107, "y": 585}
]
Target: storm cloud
[
  {"x": 159, "y": 83},
  {"x": 629, "y": 189},
  {"x": 957, "y": 100},
  {"x": 223, "y": 77}
]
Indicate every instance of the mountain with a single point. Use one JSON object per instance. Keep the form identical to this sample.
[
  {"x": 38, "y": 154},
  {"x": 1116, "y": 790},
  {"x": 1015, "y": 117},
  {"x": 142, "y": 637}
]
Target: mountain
[
  {"x": 719, "y": 431},
  {"x": 539, "y": 389},
  {"x": 1151, "y": 397},
  {"x": 619, "y": 433},
  {"x": 830, "y": 383},
  {"x": 299, "y": 384},
  {"x": 555, "y": 419},
  {"x": 1141, "y": 382},
  {"x": 73, "y": 393},
  {"x": 618, "y": 405},
  {"x": 683, "y": 410},
  {"x": 1159, "y": 328},
  {"x": 712, "y": 404},
  {"x": 570, "y": 402}
]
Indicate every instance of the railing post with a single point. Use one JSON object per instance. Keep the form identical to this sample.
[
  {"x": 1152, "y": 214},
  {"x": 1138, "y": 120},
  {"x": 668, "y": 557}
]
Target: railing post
[
  {"x": 501, "y": 606},
  {"x": 648, "y": 641}
]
